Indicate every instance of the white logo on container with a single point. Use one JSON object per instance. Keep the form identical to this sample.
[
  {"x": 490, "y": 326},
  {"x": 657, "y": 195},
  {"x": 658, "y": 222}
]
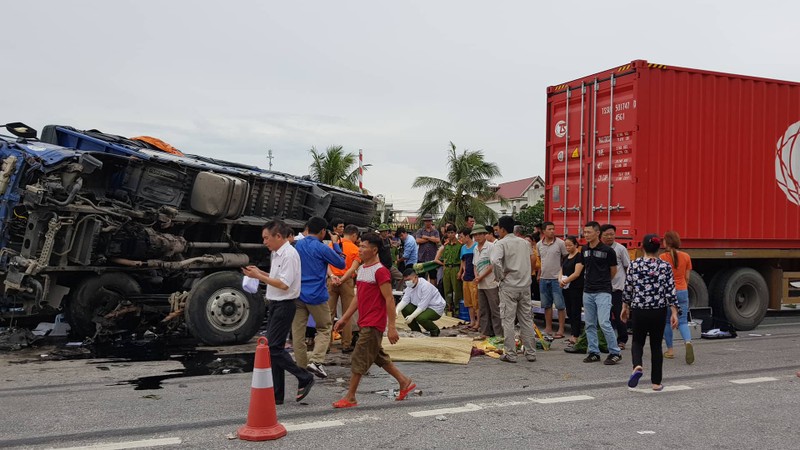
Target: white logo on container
[
  {"x": 787, "y": 163},
  {"x": 561, "y": 128}
]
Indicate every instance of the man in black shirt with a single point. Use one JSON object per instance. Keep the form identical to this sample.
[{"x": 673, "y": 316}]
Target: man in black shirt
[{"x": 599, "y": 267}]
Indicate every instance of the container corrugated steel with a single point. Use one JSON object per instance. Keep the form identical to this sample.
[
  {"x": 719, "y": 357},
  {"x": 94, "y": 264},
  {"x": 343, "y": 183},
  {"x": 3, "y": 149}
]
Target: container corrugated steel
[{"x": 711, "y": 155}]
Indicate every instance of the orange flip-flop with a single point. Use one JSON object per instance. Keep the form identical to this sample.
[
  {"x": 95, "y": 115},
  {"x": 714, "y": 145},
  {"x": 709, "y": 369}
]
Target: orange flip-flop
[
  {"x": 344, "y": 403},
  {"x": 404, "y": 392}
]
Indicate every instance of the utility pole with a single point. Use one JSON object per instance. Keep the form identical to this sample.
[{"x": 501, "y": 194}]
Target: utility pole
[{"x": 270, "y": 158}]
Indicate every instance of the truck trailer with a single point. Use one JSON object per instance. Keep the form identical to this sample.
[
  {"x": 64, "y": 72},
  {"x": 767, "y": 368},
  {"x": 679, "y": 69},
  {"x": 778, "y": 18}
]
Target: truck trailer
[{"x": 714, "y": 156}]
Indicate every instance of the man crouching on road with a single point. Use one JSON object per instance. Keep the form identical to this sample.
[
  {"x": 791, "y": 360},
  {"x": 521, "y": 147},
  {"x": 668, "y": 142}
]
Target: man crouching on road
[
  {"x": 375, "y": 304},
  {"x": 422, "y": 304}
]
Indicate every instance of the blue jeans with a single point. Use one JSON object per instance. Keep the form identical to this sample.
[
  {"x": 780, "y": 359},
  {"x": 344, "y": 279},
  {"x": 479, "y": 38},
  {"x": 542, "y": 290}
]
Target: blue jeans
[
  {"x": 597, "y": 309},
  {"x": 551, "y": 294},
  {"x": 683, "y": 320}
]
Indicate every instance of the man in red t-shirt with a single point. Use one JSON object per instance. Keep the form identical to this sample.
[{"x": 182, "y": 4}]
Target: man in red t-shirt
[{"x": 375, "y": 304}]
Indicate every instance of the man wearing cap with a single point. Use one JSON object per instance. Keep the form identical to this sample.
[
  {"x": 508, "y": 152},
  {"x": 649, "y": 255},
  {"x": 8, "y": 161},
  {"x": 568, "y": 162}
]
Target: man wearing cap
[
  {"x": 428, "y": 239},
  {"x": 385, "y": 254},
  {"x": 491, "y": 324},
  {"x": 449, "y": 256},
  {"x": 421, "y": 304}
]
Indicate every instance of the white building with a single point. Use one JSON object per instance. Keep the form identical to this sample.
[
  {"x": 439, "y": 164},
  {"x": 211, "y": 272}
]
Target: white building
[{"x": 518, "y": 194}]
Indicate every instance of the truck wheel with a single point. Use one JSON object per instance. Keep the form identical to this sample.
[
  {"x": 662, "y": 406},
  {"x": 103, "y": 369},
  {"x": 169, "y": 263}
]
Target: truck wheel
[
  {"x": 698, "y": 292},
  {"x": 97, "y": 296},
  {"x": 744, "y": 298},
  {"x": 219, "y": 312}
]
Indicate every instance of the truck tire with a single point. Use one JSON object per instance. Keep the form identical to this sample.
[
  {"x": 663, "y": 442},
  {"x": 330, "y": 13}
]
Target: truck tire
[
  {"x": 744, "y": 296},
  {"x": 698, "y": 291},
  {"x": 219, "y": 312},
  {"x": 96, "y": 296},
  {"x": 353, "y": 203}
]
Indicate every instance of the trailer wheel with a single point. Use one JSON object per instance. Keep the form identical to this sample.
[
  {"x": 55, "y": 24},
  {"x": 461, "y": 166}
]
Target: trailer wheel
[
  {"x": 744, "y": 297},
  {"x": 97, "y": 296},
  {"x": 219, "y": 312},
  {"x": 698, "y": 291}
]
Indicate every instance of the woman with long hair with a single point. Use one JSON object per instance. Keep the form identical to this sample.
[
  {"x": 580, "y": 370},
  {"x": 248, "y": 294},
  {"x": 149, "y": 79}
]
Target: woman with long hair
[
  {"x": 571, "y": 281},
  {"x": 681, "y": 264},
  {"x": 649, "y": 293}
]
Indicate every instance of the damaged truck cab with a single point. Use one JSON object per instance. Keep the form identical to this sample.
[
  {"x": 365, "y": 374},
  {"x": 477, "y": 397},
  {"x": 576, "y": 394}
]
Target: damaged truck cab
[{"x": 121, "y": 235}]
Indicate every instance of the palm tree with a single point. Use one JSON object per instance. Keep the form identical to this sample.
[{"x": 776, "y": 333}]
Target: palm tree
[
  {"x": 335, "y": 167},
  {"x": 465, "y": 190}
]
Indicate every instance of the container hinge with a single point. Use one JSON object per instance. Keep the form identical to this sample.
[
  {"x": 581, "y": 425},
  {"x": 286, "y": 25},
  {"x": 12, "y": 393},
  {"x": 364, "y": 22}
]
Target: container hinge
[
  {"x": 616, "y": 208},
  {"x": 599, "y": 208}
]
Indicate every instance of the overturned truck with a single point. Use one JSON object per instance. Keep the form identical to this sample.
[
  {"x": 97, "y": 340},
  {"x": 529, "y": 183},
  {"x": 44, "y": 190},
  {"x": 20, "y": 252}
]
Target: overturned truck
[{"x": 128, "y": 235}]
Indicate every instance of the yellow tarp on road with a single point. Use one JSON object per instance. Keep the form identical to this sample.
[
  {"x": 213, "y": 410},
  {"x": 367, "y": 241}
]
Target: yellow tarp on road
[{"x": 439, "y": 349}]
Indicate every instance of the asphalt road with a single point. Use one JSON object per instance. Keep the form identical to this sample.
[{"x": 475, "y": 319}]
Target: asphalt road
[{"x": 741, "y": 393}]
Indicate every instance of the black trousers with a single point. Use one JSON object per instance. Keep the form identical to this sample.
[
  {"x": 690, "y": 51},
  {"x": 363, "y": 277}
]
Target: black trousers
[
  {"x": 649, "y": 321},
  {"x": 619, "y": 326},
  {"x": 279, "y": 325},
  {"x": 574, "y": 300},
  {"x": 535, "y": 293}
]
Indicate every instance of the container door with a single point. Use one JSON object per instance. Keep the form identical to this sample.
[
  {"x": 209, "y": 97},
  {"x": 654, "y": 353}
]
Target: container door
[
  {"x": 610, "y": 181},
  {"x": 567, "y": 159}
]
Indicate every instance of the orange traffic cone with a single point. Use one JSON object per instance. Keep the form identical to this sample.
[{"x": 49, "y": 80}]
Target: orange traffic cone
[{"x": 262, "y": 418}]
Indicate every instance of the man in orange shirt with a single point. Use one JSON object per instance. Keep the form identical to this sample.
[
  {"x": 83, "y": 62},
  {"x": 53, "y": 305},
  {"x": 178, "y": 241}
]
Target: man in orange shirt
[{"x": 341, "y": 283}]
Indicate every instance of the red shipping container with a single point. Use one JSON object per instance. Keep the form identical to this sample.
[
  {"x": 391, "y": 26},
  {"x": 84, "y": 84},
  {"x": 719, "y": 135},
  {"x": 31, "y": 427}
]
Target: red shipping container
[{"x": 650, "y": 148}]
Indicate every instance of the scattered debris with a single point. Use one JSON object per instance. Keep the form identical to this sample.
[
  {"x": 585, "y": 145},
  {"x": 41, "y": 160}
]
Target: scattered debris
[
  {"x": 646, "y": 432},
  {"x": 103, "y": 368},
  {"x": 17, "y": 339},
  {"x": 152, "y": 397},
  {"x": 441, "y": 418},
  {"x": 231, "y": 436}
]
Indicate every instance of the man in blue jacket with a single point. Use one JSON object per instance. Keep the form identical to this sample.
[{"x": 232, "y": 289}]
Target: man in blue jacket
[{"x": 314, "y": 259}]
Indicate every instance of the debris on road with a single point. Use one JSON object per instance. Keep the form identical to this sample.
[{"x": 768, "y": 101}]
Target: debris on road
[{"x": 17, "y": 339}]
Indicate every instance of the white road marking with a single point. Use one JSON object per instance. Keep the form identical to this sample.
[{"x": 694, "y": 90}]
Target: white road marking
[
  {"x": 469, "y": 407},
  {"x": 129, "y": 444},
  {"x": 313, "y": 425},
  {"x": 671, "y": 388},
  {"x": 573, "y": 398},
  {"x": 753, "y": 380}
]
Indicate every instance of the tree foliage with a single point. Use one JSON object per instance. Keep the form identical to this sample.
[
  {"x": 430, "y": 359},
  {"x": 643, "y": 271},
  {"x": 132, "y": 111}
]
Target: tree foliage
[
  {"x": 335, "y": 167},
  {"x": 465, "y": 189},
  {"x": 530, "y": 216}
]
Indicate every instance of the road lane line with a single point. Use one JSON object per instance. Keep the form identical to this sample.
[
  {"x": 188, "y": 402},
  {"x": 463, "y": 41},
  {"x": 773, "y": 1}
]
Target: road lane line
[
  {"x": 753, "y": 380},
  {"x": 469, "y": 407},
  {"x": 671, "y": 388},
  {"x": 129, "y": 444},
  {"x": 313, "y": 425},
  {"x": 572, "y": 398}
]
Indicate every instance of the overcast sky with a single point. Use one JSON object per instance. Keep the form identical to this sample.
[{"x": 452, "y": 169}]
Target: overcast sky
[{"x": 397, "y": 79}]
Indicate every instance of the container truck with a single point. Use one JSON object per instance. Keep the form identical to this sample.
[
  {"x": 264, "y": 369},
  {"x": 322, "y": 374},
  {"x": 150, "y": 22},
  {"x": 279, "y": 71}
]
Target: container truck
[{"x": 714, "y": 156}]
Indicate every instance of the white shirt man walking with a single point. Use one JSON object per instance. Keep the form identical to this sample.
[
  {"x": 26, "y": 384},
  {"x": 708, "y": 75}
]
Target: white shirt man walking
[{"x": 283, "y": 288}]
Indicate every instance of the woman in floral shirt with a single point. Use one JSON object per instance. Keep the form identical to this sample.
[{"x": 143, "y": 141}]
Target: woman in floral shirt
[{"x": 649, "y": 292}]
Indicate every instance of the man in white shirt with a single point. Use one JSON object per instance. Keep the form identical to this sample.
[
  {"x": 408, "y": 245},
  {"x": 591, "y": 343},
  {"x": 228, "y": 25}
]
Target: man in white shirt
[
  {"x": 608, "y": 235},
  {"x": 422, "y": 304},
  {"x": 283, "y": 288}
]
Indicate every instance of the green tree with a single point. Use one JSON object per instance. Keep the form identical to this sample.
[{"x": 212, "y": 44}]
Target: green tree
[
  {"x": 465, "y": 190},
  {"x": 530, "y": 216},
  {"x": 335, "y": 167}
]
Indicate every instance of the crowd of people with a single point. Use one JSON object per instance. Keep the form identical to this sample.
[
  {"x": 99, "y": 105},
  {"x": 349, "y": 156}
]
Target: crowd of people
[{"x": 494, "y": 271}]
